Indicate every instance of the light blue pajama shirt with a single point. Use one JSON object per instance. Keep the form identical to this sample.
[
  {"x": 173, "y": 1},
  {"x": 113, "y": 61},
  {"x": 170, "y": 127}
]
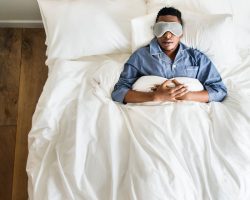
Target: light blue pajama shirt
[{"x": 189, "y": 62}]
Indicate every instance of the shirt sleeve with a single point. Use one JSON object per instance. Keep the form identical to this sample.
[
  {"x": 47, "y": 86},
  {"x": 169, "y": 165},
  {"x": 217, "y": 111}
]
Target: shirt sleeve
[
  {"x": 127, "y": 78},
  {"x": 211, "y": 79}
]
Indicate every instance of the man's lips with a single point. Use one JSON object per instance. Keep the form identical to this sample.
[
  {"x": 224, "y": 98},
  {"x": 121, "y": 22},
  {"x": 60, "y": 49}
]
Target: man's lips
[{"x": 167, "y": 42}]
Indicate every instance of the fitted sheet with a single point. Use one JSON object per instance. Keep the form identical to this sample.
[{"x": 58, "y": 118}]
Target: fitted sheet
[{"x": 83, "y": 145}]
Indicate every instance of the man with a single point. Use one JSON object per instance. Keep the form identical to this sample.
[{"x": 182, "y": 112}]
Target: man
[{"x": 166, "y": 56}]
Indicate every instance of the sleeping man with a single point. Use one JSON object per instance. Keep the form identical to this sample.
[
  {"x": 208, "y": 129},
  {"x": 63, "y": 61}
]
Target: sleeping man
[{"x": 166, "y": 56}]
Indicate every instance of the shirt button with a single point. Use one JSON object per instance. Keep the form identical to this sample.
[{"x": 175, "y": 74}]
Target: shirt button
[{"x": 174, "y": 66}]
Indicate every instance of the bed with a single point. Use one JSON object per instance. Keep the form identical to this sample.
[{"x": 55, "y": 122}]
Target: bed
[{"x": 83, "y": 145}]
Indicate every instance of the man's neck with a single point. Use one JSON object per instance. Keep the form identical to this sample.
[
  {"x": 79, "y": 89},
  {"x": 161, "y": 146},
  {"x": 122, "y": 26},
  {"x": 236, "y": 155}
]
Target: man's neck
[{"x": 172, "y": 54}]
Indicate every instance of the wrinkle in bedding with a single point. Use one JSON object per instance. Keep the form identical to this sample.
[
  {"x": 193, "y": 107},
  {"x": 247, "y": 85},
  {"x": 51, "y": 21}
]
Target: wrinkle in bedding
[{"x": 82, "y": 145}]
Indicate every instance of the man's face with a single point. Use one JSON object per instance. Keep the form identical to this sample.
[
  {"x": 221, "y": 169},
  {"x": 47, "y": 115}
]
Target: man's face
[{"x": 168, "y": 42}]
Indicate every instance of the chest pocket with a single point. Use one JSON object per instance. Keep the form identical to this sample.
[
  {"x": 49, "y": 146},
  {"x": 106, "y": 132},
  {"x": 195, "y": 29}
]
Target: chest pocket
[{"x": 192, "y": 71}]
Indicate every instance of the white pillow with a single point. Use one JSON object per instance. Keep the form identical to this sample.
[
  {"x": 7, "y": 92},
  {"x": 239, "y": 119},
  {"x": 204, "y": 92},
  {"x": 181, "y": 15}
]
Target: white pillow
[
  {"x": 142, "y": 30},
  {"x": 211, "y": 34},
  {"x": 79, "y": 28},
  {"x": 241, "y": 12},
  {"x": 200, "y": 6},
  {"x": 145, "y": 83}
]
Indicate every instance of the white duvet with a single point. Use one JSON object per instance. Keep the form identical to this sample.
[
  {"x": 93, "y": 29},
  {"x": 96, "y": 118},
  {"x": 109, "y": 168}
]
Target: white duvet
[{"x": 84, "y": 146}]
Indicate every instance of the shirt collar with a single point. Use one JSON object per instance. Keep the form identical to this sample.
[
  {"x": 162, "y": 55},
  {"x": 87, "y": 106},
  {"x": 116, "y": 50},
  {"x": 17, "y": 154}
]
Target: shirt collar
[{"x": 155, "y": 48}]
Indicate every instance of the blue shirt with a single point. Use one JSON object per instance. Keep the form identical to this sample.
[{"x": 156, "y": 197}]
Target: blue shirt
[{"x": 189, "y": 62}]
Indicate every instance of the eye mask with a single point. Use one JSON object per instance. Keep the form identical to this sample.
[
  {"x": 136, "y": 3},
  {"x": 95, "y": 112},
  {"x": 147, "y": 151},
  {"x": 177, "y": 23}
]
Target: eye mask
[{"x": 162, "y": 27}]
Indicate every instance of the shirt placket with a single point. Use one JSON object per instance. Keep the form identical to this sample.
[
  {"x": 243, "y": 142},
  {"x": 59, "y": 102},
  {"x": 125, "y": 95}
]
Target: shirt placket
[
  {"x": 174, "y": 64},
  {"x": 168, "y": 66}
]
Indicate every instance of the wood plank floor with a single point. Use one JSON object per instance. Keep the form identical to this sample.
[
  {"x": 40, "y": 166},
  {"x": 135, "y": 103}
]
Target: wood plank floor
[{"x": 22, "y": 76}]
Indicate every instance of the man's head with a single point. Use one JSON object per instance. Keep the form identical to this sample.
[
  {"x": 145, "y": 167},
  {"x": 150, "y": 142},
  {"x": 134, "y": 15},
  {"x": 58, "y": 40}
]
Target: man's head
[{"x": 170, "y": 39}]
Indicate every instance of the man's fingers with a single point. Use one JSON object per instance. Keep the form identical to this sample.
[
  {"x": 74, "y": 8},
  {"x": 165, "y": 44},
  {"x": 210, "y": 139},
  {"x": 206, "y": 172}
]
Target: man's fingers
[
  {"x": 179, "y": 100},
  {"x": 183, "y": 90},
  {"x": 180, "y": 94},
  {"x": 173, "y": 90},
  {"x": 173, "y": 100},
  {"x": 176, "y": 82},
  {"x": 155, "y": 87},
  {"x": 176, "y": 100},
  {"x": 165, "y": 83}
]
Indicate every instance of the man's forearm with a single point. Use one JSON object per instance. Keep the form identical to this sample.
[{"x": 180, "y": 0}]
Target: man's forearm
[
  {"x": 133, "y": 96},
  {"x": 199, "y": 96}
]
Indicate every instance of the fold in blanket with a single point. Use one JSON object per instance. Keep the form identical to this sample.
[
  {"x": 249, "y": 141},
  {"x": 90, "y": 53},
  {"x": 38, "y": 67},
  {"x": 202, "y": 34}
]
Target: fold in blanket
[{"x": 82, "y": 145}]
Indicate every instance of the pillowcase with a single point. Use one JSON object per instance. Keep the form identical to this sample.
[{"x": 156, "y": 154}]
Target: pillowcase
[
  {"x": 80, "y": 28},
  {"x": 211, "y": 34},
  {"x": 241, "y": 12},
  {"x": 239, "y": 9},
  {"x": 145, "y": 83},
  {"x": 199, "y": 6},
  {"x": 142, "y": 31}
]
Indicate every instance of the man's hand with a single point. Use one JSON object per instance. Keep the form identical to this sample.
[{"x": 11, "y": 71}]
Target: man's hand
[
  {"x": 199, "y": 96},
  {"x": 165, "y": 93}
]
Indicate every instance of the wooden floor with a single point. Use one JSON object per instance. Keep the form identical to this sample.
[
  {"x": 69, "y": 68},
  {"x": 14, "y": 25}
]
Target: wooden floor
[{"x": 22, "y": 76}]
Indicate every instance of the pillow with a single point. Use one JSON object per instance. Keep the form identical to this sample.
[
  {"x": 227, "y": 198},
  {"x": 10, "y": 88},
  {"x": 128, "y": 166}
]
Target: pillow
[
  {"x": 241, "y": 12},
  {"x": 142, "y": 30},
  {"x": 211, "y": 34},
  {"x": 239, "y": 9},
  {"x": 145, "y": 83},
  {"x": 80, "y": 28},
  {"x": 200, "y": 6}
]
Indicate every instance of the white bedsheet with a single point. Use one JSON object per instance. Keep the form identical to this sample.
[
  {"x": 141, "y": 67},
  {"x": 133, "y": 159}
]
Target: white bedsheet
[{"x": 82, "y": 145}]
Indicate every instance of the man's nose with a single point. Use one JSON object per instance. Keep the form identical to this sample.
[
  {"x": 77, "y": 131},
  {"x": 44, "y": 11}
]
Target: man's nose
[{"x": 168, "y": 35}]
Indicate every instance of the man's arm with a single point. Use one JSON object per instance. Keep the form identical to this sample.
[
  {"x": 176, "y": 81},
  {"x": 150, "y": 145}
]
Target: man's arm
[
  {"x": 162, "y": 93},
  {"x": 127, "y": 78},
  {"x": 139, "y": 97},
  {"x": 199, "y": 96},
  {"x": 211, "y": 79},
  {"x": 133, "y": 96}
]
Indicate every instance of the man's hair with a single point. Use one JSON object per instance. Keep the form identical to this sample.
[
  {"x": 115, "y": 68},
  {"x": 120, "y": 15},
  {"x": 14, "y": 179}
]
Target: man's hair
[{"x": 169, "y": 11}]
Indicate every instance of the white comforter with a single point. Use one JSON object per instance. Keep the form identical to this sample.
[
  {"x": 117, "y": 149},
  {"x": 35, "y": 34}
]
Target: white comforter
[{"x": 84, "y": 146}]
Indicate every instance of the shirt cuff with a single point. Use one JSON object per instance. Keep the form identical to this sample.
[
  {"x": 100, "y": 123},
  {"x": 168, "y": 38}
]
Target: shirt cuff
[
  {"x": 119, "y": 94},
  {"x": 215, "y": 95}
]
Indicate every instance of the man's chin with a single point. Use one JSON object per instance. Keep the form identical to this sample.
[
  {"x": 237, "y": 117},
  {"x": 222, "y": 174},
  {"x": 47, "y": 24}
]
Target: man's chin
[{"x": 170, "y": 47}]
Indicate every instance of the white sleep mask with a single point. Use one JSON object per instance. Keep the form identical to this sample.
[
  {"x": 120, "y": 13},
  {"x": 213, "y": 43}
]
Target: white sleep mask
[{"x": 160, "y": 28}]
